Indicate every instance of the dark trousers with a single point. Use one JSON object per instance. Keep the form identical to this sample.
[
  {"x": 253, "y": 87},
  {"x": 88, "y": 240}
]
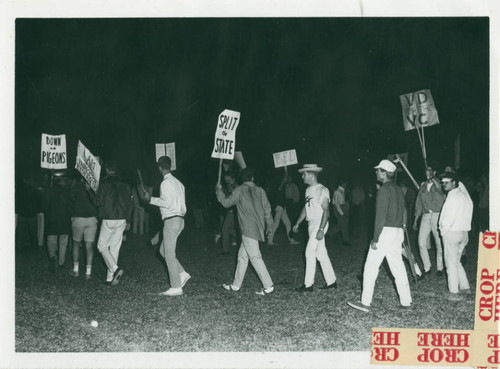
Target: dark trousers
[
  {"x": 228, "y": 231},
  {"x": 342, "y": 222},
  {"x": 26, "y": 232}
]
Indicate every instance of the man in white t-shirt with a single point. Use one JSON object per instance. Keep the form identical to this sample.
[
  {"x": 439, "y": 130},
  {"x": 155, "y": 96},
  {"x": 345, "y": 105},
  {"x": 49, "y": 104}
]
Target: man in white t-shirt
[{"x": 316, "y": 212}]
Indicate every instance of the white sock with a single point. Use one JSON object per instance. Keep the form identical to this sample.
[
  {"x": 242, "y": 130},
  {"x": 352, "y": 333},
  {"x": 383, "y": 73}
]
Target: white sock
[
  {"x": 89, "y": 269},
  {"x": 109, "y": 276},
  {"x": 417, "y": 270},
  {"x": 75, "y": 267}
]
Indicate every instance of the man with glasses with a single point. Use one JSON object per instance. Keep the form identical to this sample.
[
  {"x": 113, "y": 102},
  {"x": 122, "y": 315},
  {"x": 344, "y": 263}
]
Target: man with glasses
[
  {"x": 429, "y": 202},
  {"x": 454, "y": 225},
  {"x": 387, "y": 240}
]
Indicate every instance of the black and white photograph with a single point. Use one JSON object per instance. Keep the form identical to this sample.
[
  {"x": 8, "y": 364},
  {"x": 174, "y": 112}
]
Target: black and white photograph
[{"x": 245, "y": 183}]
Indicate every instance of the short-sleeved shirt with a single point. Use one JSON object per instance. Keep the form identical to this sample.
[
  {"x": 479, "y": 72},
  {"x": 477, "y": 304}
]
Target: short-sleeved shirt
[{"x": 315, "y": 195}]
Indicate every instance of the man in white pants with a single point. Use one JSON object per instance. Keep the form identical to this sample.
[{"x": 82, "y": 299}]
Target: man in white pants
[
  {"x": 172, "y": 206},
  {"x": 254, "y": 216},
  {"x": 454, "y": 225},
  {"x": 114, "y": 199},
  {"x": 316, "y": 211},
  {"x": 429, "y": 202},
  {"x": 387, "y": 240}
]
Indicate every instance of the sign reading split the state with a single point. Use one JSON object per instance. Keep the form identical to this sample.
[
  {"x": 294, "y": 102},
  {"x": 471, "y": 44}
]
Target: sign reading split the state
[
  {"x": 53, "y": 154},
  {"x": 225, "y": 135},
  {"x": 285, "y": 158},
  {"x": 167, "y": 149},
  {"x": 88, "y": 165},
  {"x": 418, "y": 110}
]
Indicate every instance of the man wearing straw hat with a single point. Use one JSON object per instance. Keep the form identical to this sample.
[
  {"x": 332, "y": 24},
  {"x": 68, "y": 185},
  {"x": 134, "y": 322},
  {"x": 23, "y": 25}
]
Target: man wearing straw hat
[
  {"x": 316, "y": 212},
  {"x": 387, "y": 240}
]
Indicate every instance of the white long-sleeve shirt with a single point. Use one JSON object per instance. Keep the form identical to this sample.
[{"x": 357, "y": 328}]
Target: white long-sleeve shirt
[
  {"x": 172, "y": 198},
  {"x": 456, "y": 214}
]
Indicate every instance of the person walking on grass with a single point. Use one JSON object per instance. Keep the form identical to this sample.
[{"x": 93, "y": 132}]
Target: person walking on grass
[
  {"x": 317, "y": 212},
  {"x": 58, "y": 220},
  {"x": 254, "y": 216},
  {"x": 341, "y": 212},
  {"x": 114, "y": 199},
  {"x": 390, "y": 217},
  {"x": 84, "y": 225},
  {"x": 280, "y": 213},
  {"x": 172, "y": 204},
  {"x": 430, "y": 199},
  {"x": 454, "y": 225}
]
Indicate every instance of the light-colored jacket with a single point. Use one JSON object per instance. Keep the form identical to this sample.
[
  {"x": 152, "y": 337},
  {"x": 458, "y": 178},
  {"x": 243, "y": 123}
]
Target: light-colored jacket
[
  {"x": 254, "y": 210},
  {"x": 456, "y": 214}
]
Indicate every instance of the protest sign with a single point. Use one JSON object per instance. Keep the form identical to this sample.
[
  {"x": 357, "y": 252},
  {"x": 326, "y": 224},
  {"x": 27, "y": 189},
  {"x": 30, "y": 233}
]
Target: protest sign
[
  {"x": 238, "y": 158},
  {"x": 88, "y": 165},
  {"x": 418, "y": 110},
  {"x": 167, "y": 149},
  {"x": 285, "y": 158},
  {"x": 225, "y": 135},
  {"x": 53, "y": 155}
]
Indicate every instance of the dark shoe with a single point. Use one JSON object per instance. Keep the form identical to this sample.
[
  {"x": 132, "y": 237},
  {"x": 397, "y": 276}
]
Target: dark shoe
[
  {"x": 326, "y": 287},
  {"x": 117, "y": 275},
  {"x": 303, "y": 288},
  {"x": 439, "y": 273},
  {"x": 359, "y": 306},
  {"x": 52, "y": 264},
  {"x": 453, "y": 297},
  {"x": 465, "y": 292},
  {"x": 463, "y": 259},
  {"x": 405, "y": 307},
  {"x": 422, "y": 276},
  {"x": 73, "y": 273}
]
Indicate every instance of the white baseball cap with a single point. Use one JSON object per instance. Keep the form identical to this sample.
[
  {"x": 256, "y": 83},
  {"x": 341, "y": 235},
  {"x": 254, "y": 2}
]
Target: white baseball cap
[{"x": 386, "y": 165}]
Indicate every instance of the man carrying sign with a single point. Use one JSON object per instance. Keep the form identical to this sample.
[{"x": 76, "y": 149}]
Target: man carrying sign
[{"x": 254, "y": 216}]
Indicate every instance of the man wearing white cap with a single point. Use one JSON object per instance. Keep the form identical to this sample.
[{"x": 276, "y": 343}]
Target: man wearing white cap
[
  {"x": 316, "y": 211},
  {"x": 387, "y": 239}
]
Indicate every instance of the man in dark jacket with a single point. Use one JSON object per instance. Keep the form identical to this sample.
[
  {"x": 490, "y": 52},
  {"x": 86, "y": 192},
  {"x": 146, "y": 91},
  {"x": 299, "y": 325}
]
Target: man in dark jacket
[
  {"x": 390, "y": 216},
  {"x": 115, "y": 202}
]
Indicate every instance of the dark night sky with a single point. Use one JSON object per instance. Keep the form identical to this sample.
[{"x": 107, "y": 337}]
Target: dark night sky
[{"x": 328, "y": 87}]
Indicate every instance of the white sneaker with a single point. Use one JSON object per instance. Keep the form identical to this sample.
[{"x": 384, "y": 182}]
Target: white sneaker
[
  {"x": 184, "y": 278},
  {"x": 172, "y": 292},
  {"x": 265, "y": 291}
]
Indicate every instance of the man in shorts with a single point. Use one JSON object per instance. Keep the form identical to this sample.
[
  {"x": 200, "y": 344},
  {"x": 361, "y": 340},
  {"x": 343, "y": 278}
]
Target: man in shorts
[{"x": 83, "y": 225}]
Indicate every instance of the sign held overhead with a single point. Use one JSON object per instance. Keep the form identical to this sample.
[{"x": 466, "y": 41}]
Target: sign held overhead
[
  {"x": 53, "y": 155},
  {"x": 285, "y": 158},
  {"x": 418, "y": 110},
  {"x": 88, "y": 165},
  {"x": 225, "y": 135},
  {"x": 167, "y": 149}
]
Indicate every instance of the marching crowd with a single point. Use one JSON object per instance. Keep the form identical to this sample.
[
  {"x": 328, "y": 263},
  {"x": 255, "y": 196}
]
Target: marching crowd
[{"x": 442, "y": 207}]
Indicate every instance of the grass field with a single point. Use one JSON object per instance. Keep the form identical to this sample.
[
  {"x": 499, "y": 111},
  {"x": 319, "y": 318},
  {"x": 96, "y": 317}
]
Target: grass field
[{"x": 54, "y": 312}]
